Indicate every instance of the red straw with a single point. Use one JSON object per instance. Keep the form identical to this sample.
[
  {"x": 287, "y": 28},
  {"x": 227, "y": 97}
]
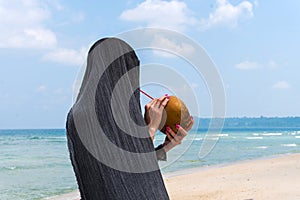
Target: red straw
[{"x": 146, "y": 94}]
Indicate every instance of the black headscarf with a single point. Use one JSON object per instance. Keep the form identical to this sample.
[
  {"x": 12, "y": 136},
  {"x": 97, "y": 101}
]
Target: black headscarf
[{"x": 110, "y": 149}]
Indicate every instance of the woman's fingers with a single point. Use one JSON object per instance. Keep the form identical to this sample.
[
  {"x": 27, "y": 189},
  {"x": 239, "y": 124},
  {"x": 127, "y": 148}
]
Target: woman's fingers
[
  {"x": 181, "y": 130},
  {"x": 148, "y": 105},
  {"x": 160, "y": 101},
  {"x": 174, "y": 138},
  {"x": 180, "y": 134},
  {"x": 191, "y": 124},
  {"x": 154, "y": 103},
  {"x": 169, "y": 136},
  {"x": 164, "y": 103},
  {"x": 162, "y": 98},
  {"x": 169, "y": 130}
]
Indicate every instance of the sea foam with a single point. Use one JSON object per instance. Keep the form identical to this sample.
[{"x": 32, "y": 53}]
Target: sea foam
[
  {"x": 289, "y": 145},
  {"x": 271, "y": 134},
  {"x": 254, "y": 138},
  {"x": 262, "y": 147}
]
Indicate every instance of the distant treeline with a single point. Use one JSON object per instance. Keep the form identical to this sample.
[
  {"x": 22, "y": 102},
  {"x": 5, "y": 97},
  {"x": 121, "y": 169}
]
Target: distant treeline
[{"x": 249, "y": 123}]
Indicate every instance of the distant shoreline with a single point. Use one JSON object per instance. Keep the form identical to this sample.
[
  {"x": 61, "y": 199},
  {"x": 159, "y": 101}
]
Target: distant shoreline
[{"x": 229, "y": 123}]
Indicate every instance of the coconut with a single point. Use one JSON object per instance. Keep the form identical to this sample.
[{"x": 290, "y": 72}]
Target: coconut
[{"x": 176, "y": 112}]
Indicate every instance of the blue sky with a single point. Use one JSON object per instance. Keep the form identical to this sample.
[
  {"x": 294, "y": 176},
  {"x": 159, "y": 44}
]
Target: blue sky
[{"x": 43, "y": 44}]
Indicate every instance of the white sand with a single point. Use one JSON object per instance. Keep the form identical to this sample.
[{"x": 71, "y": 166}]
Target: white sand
[{"x": 273, "y": 178}]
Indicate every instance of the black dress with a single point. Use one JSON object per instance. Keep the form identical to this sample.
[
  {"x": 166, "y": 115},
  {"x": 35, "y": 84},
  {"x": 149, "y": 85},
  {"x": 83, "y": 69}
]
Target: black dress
[{"x": 110, "y": 149}]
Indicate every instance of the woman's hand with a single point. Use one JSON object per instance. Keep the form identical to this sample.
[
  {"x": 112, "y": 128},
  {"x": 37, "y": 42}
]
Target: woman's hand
[
  {"x": 153, "y": 113},
  {"x": 175, "y": 139}
]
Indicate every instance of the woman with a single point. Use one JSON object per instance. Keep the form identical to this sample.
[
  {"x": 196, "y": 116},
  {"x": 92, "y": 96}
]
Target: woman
[{"x": 111, "y": 150}]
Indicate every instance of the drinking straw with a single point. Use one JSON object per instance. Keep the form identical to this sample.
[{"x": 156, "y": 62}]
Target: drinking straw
[{"x": 146, "y": 94}]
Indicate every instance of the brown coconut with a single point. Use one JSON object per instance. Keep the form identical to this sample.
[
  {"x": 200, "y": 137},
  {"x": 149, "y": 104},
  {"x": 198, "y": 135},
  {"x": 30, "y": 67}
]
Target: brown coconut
[{"x": 176, "y": 112}]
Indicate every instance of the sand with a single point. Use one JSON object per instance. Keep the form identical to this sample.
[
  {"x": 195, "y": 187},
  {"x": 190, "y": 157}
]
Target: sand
[{"x": 275, "y": 178}]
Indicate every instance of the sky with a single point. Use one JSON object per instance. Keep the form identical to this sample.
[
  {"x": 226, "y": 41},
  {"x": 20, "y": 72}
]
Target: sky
[{"x": 254, "y": 45}]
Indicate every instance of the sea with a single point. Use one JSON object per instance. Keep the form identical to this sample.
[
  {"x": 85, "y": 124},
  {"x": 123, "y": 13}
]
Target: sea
[{"x": 34, "y": 164}]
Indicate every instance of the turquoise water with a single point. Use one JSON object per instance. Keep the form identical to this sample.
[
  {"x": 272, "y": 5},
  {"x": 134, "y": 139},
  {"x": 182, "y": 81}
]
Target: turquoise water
[
  {"x": 34, "y": 164},
  {"x": 232, "y": 146}
]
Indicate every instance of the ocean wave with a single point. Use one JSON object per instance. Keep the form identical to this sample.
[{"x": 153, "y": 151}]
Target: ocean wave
[
  {"x": 197, "y": 139},
  {"x": 261, "y": 147},
  {"x": 289, "y": 145},
  {"x": 255, "y": 134},
  {"x": 35, "y": 137},
  {"x": 219, "y": 135},
  {"x": 13, "y": 168},
  {"x": 271, "y": 134},
  {"x": 254, "y": 138},
  {"x": 211, "y": 138},
  {"x": 295, "y": 133},
  {"x": 10, "y": 168},
  {"x": 297, "y": 137}
]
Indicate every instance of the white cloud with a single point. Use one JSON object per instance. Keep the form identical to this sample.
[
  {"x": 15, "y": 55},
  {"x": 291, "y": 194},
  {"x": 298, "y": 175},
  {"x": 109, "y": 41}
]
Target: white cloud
[
  {"x": 67, "y": 56},
  {"x": 59, "y": 91},
  {"x": 227, "y": 14},
  {"x": 281, "y": 85},
  {"x": 272, "y": 64},
  {"x": 78, "y": 17},
  {"x": 73, "y": 18},
  {"x": 161, "y": 14},
  {"x": 41, "y": 88},
  {"x": 55, "y": 4},
  {"x": 22, "y": 25},
  {"x": 176, "y": 15},
  {"x": 251, "y": 65},
  {"x": 248, "y": 65},
  {"x": 165, "y": 43}
]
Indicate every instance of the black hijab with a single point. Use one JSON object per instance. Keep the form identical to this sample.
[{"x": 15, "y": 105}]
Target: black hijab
[{"x": 110, "y": 149}]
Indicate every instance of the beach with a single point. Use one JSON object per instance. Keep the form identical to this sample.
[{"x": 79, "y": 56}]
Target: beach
[
  {"x": 42, "y": 155},
  {"x": 273, "y": 178}
]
